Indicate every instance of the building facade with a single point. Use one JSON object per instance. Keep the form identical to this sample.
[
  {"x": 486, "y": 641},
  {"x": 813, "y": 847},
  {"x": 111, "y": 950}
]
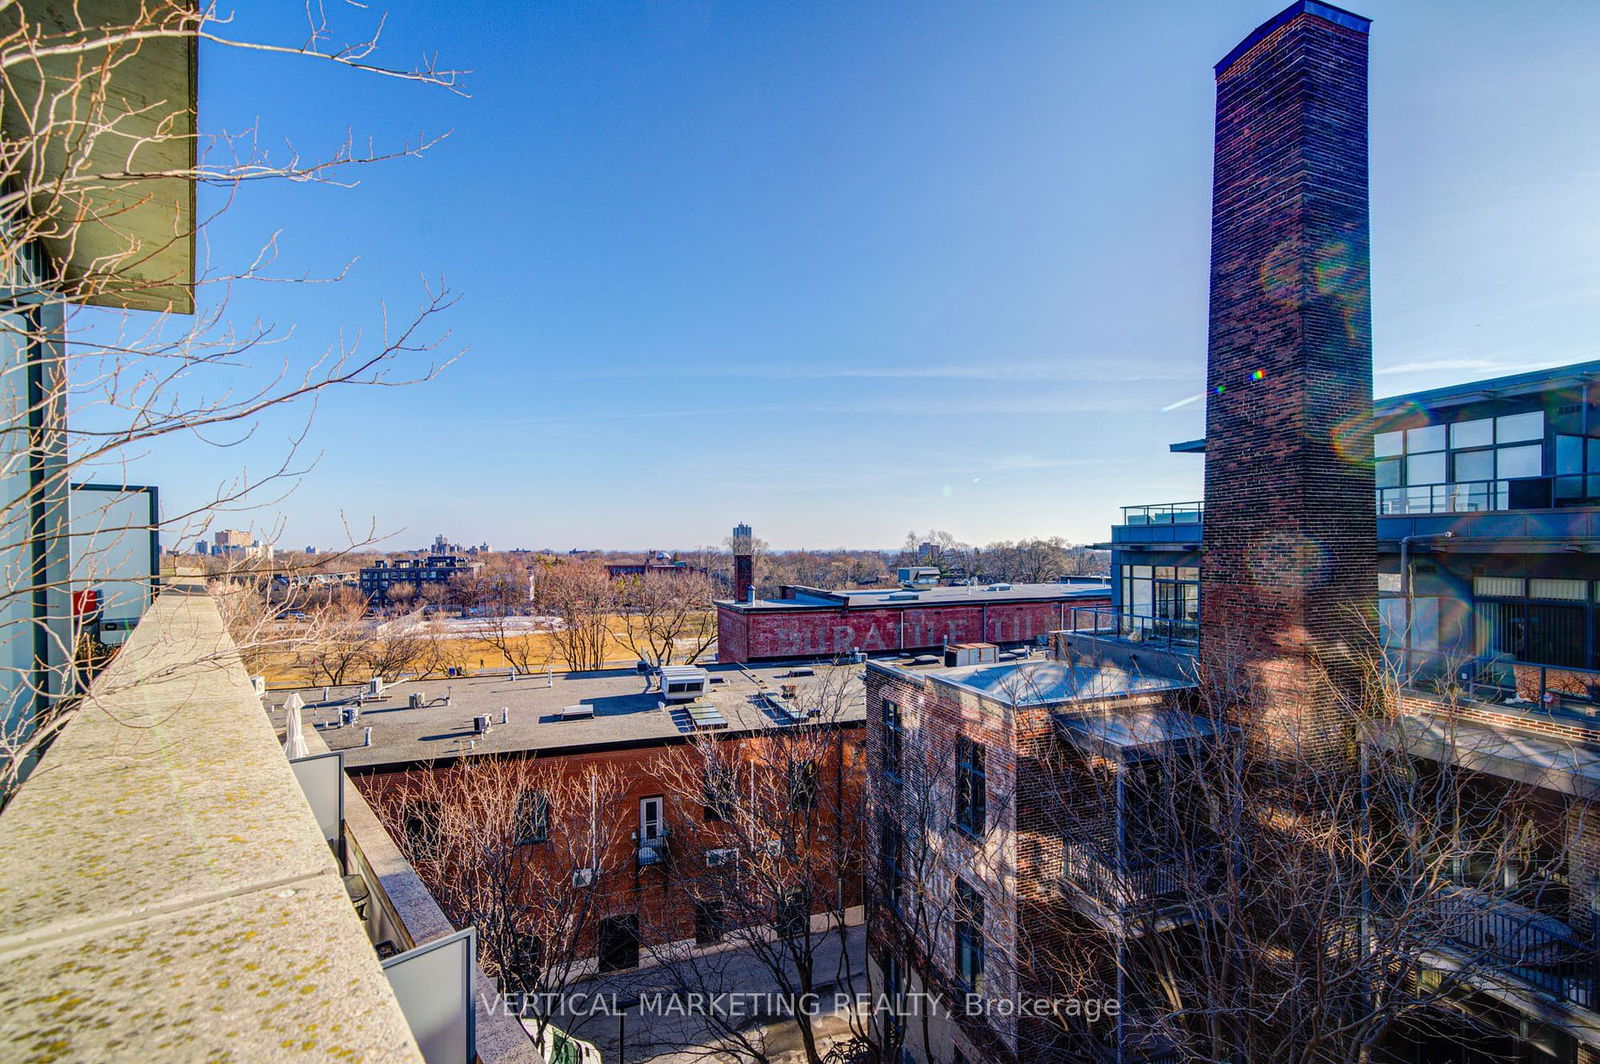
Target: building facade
[
  {"x": 1323, "y": 780},
  {"x": 377, "y": 580},
  {"x": 805, "y": 622}
]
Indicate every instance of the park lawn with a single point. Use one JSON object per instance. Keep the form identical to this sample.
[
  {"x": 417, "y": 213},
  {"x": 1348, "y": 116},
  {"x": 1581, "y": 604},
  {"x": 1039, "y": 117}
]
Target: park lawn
[{"x": 463, "y": 651}]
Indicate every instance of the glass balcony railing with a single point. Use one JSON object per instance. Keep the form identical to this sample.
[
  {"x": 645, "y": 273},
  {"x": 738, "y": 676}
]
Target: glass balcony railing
[
  {"x": 1164, "y": 513},
  {"x": 1169, "y": 633}
]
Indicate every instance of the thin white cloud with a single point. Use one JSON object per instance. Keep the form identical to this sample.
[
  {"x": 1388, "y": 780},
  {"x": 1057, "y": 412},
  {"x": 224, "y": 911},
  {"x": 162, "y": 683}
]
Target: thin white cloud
[
  {"x": 1469, "y": 365},
  {"x": 980, "y": 369}
]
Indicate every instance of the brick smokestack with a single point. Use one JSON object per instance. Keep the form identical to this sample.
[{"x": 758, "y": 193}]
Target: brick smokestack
[
  {"x": 744, "y": 563},
  {"x": 1288, "y": 576}
]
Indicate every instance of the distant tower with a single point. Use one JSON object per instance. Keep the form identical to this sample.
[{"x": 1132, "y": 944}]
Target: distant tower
[
  {"x": 1289, "y": 575},
  {"x": 744, "y": 563}
]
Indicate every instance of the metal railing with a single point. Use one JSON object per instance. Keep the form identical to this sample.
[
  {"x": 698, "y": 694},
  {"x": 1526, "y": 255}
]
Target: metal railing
[
  {"x": 1513, "y": 940},
  {"x": 1164, "y": 513},
  {"x": 1463, "y": 497},
  {"x": 1132, "y": 882},
  {"x": 1136, "y": 628},
  {"x": 1500, "y": 680}
]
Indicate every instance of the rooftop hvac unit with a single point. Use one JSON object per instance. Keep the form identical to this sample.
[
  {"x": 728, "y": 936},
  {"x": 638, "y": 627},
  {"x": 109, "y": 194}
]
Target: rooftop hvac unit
[
  {"x": 480, "y": 724},
  {"x": 416, "y": 700},
  {"x": 583, "y": 877},
  {"x": 375, "y": 687}
]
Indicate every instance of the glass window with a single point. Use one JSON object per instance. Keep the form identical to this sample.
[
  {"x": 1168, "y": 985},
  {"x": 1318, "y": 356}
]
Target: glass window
[
  {"x": 533, "y": 818},
  {"x": 1497, "y": 586},
  {"x": 1425, "y": 439},
  {"x": 972, "y": 789},
  {"x": 1513, "y": 427},
  {"x": 1388, "y": 473},
  {"x": 892, "y": 736},
  {"x": 969, "y": 937},
  {"x": 1389, "y": 583},
  {"x": 1569, "y": 454},
  {"x": 1388, "y": 444},
  {"x": 1513, "y": 462},
  {"x": 1425, "y": 468},
  {"x": 1474, "y": 465},
  {"x": 1478, "y": 433},
  {"x": 1594, "y": 454},
  {"x": 1571, "y": 590}
]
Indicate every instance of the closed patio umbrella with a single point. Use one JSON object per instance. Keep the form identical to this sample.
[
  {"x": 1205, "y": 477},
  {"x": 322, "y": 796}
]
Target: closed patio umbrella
[{"x": 294, "y": 744}]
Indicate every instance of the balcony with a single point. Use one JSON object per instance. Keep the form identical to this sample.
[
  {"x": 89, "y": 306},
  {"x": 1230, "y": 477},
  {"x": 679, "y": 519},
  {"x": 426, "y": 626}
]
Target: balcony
[
  {"x": 1164, "y": 513},
  {"x": 653, "y": 853},
  {"x": 1122, "y": 886},
  {"x": 1492, "y": 938},
  {"x": 1156, "y": 632}
]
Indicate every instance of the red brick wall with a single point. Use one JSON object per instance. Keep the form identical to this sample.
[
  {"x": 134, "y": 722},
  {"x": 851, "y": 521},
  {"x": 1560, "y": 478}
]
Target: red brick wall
[
  {"x": 662, "y": 895},
  {"x": 818, "y": 632},
  {"x": 1288, "y": 576}
]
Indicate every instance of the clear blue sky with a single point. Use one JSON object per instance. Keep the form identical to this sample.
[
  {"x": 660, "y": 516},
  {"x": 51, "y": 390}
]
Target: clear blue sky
[{"x": 844, "y": 269}]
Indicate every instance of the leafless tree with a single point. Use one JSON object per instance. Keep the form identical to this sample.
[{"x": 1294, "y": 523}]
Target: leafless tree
[
  {"x": 92, "y": 389},
  {"x": 775, "y": 869},
  {"x": 1298, "y": 902},
  {"x": 667, "y": 616},
  {"x": 583, "y": 600},
  {"x": 524, "y": 850}
]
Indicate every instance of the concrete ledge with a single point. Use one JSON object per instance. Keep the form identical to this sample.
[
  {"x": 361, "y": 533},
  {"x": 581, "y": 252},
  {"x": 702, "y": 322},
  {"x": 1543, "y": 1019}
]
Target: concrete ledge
[{"x": 166, "y": 893}]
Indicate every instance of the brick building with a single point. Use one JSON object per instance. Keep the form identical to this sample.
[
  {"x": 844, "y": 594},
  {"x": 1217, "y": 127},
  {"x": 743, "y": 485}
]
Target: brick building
[
  {"x": 376, "y": 580},
  {"x": 806, "y": 622},
  {"x": 654, "y": 866},
  {"x": 1331, "y": 637}
]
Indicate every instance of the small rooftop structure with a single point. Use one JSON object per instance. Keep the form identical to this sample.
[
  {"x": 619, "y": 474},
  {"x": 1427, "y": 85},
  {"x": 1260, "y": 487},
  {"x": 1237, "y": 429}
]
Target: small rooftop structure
[{"x": 683, "y": 683}]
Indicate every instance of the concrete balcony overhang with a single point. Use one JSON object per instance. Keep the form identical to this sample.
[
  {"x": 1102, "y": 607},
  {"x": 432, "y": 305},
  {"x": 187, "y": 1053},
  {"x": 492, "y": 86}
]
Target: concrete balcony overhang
[
  {"x": 1522, "y": 757},
  {"x": 116, "y": 194}
]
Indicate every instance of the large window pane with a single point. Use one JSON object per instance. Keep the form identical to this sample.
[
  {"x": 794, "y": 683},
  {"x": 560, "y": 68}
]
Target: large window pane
[
  {"x": 1569, "y": 454},
  {"x": 1571, "y": 590},
  {"x": 1388, "y": 473},
  {"x": 1426, "y": 439},
  {"x": 1516, "y": 462},
  {"x": 1388, "y": 444},
  {"x": 1478, "y": 433},
  {"x": 1513, "y": 427},
  {"x": 1474, "y": 465},
  {"x": 1497, "y": 586},
  {"x": 1425, "y": 468}
]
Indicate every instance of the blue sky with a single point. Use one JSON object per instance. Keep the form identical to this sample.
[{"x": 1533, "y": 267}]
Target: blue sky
[{"x": 841, "y": 270}]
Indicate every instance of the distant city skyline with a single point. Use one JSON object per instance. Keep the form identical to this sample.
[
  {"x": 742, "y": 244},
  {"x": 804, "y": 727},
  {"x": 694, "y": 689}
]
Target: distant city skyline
[{"x": 840, "y": 273}]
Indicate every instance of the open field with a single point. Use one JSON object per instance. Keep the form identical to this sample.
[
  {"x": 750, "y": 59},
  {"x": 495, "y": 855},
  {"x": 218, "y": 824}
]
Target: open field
[{"x": 455, "y": 642}]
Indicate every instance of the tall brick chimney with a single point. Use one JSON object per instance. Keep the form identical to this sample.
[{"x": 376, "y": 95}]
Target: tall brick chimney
[
  {"x": 1288, "y": 576},
  {"x": 744, "y": 563}
]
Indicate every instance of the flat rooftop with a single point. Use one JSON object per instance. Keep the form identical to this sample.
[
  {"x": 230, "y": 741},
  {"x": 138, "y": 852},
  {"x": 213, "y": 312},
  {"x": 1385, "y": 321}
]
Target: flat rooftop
[
  {"x": 874, "y": 598},
  {"x": 1045, "y": 681},
  {"x": 624, "y": 713}
]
